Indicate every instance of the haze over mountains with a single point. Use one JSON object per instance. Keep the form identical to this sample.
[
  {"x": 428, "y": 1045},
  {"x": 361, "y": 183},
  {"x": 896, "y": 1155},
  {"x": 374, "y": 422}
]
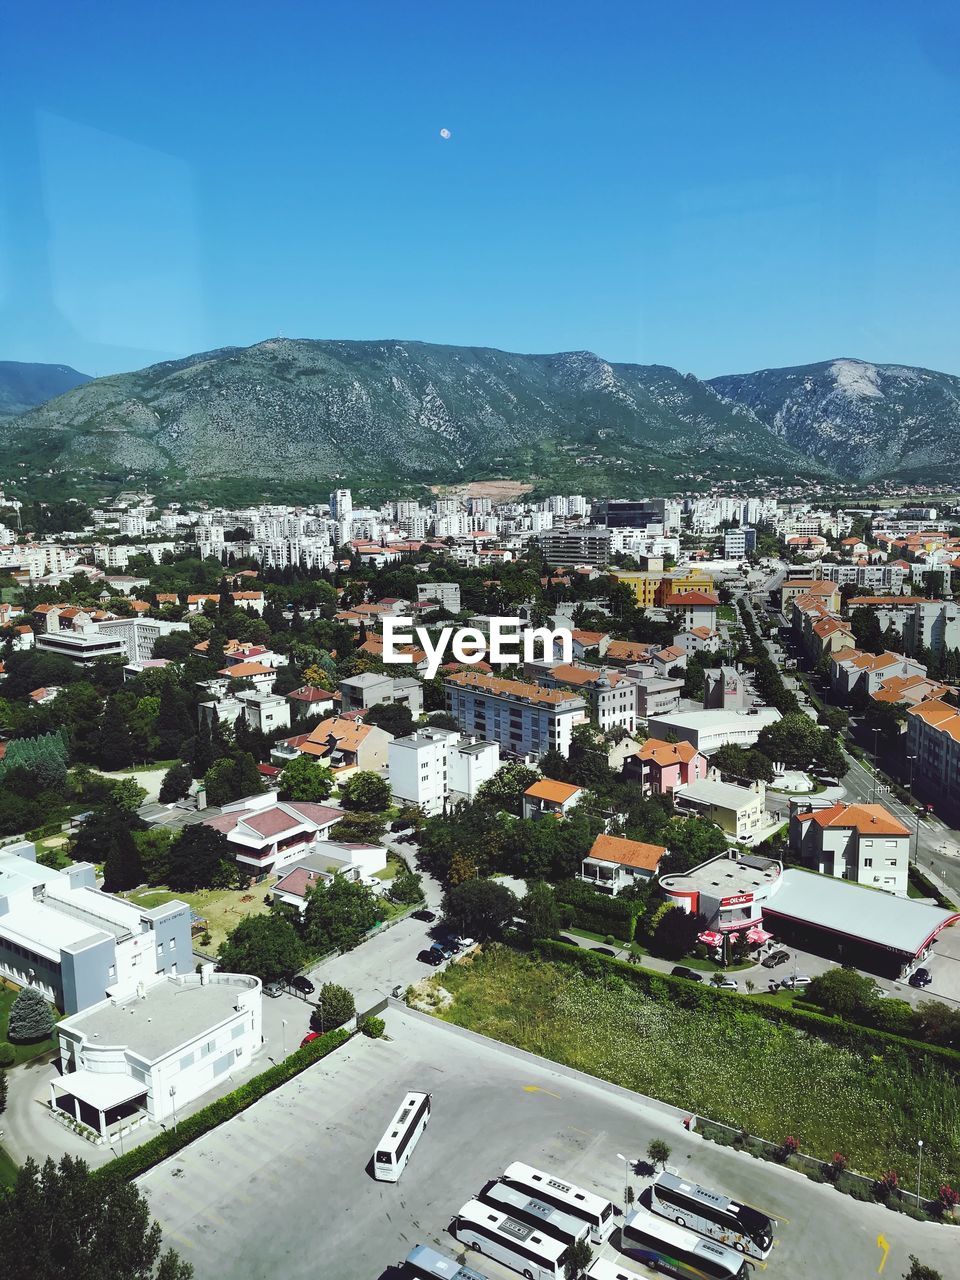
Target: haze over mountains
[{"x": 379, "y": 411}]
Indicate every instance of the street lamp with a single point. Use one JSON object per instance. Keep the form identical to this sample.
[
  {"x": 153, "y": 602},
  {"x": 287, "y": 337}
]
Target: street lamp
[
  {"x": 919, "y": 1167},
  {"x": 876, "y": 763},
  {"x": 173, "y": 1104},
  {"x": 283, "y": 1035},
  {"x": 626, "y": 1182},
  {"x": 916, "y": 840}
]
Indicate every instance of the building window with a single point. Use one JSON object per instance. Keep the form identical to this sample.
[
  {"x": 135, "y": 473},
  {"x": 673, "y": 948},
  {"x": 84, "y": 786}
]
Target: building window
[{"x": 186, "y": 1061}]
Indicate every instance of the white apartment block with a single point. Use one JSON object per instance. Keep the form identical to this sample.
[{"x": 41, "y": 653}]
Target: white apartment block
[
  {"x": 446, "y": 594},
  {"x": 432, "y": 764}
]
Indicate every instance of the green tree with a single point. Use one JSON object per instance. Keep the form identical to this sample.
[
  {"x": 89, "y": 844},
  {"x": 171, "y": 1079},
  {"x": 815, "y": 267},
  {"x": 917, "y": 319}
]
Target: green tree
[
  {"x": 127, "y": 794},
  {"x": 920, "y": 1271},
  {"x": 122, "y": 868},
  {"x": 200, "y": 858},
  {"x": 3, "y": 1091},
  {"x": 658, "y": 1153},
  {"x": 335, "y": 1006},
  {"x": 740, "y": 762},
  {"x": 61, "y": 1222},
  {"x": 177, "y": 782},
  {"x": 265, "y": 945},
  {"x": 338, "y": 914},
  {"x": 31, "y": 1018},
  {"x": 505, "y": 789},
  {"x": 676, "y": 933},
  {"x": 392, "y": 717},
  {"x": 844, "y": 992},
  {"x": 306, "y": 779},
  {"x": 365, "y": 791},
  {"x": 540, "y": 911},
  {"x": 479, "y": 908},
  {"x": 406, "y": 887},
  {"x": 691, "y": 841},
  {"x": 576, "y": 1258},
  {"x": 359, "y": 828},
  {"x": 867, "y": 634}
]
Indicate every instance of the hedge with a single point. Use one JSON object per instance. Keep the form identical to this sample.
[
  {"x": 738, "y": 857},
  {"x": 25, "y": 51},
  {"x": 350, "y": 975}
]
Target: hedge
[
  {"x": 681, "y": 991},
  {"x": 596, "y": 912},
  {"x": 133, "y": 1163},
  {"x": 916, "y": 877}
]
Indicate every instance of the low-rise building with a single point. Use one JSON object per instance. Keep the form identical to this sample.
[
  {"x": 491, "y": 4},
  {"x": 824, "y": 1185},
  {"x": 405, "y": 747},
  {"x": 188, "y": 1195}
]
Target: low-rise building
[
  {"x": 708, "y": 730},
  {"x": 372, "y": 689},
  {"x": 340, "y": 742},
  {"x": 433, "y": 765},
  {"x": 265, "y": 834},
  {"x": 738, "y": 811},
  {"x": 548, "y": 798},
  {"x": 696, "y": 608},
  {"x": 725, "y": 689},
  {"x": 614, "y": 863},
  {"x": 152, "y": 1053},
  {"x": 860, "y": 842},
  {"x": 660, "y": 767},
  {"x": 353, "y": 861}
]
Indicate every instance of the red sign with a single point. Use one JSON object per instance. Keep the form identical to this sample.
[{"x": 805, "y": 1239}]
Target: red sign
[{"x": 737, "y": 900}]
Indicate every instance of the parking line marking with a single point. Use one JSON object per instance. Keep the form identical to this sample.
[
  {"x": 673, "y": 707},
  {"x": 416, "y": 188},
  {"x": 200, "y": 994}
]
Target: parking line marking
[
  {"x": 882, "y": 1244},
  {"x": 535, "y": 1088}
]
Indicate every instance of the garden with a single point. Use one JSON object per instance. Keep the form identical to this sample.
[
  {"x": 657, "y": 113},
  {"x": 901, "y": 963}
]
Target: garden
[{"x": 731, "y": 1065}]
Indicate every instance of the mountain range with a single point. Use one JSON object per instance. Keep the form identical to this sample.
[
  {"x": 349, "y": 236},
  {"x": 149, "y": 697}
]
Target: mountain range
[
  {"x": 388, "y": 412},
  {"x": 24, "y": 386}
]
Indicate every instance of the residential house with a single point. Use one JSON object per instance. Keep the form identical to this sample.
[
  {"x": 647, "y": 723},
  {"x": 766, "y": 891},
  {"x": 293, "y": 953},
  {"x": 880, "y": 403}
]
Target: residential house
[
  {"x": 545, "y": 797},
  {"x": 698, "y": 640},
  {"x": 614, "y": 863},
  {"x": 738, "y": 811},
  {"x": 660, "y": 767},
  {"x": 860, "y": 842},
  {"x": 696, "y": 608},
  {"x": 265, "y": 834},
  {"x": 371, "y": 689},
  {"x": 343, "y": 743},
  {"x": 310, "y": 701}
]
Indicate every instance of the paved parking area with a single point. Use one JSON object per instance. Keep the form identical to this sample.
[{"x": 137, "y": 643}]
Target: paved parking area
[{"x": 285, "y": 1190}]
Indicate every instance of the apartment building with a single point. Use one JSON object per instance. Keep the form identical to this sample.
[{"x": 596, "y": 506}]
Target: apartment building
[
  {"x": 860, "y": 842},
  {"x": 610, "y": 695},
  {"x": 523, "y": 719},
  {"x": 932, "y": 625},
  {"x": 933, "y": 740},
  {"x": 573, "y": 547},
  {"x": 853, "y": 672},
  {"x": 371, "y": 689},
  {"x": 433, "y": 765},
  {"x": 738, "y": 811},
  {"x": 445, "y": 594},
  {"x": 738, "y": 543},
  {"x": 724, "y": 689}
]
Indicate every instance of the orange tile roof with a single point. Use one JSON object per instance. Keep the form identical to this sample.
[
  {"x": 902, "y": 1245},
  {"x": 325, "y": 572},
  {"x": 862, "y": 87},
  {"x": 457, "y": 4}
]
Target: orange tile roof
[
  {"x": 591, "y": 639},
  {"x": 664, "y": 753},
  {"x": 939, "y": 716},
  {"x": 349, "y": 735},
  {"x": 534, "y": 693},
  {"x": 629, "y": 853},
  {"x": 692, "y": 597},
  {"x": 555, "y": 792},
  {"x": 628, "y": 650},
  {"x": 909, "y": 689},
  {"x": 241, "y": 669},
  {"x": 867, "y": 819},
  {"x": 246, "y": 595},
  {"x": 567, "y": 673}
]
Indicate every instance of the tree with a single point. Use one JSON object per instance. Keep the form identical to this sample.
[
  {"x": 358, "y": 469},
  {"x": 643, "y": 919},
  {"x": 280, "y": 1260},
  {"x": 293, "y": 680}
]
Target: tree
[
  {"x": 505, "y": 789},
  {"x": 658, "y": 1153},
  {"x": 266, "y": 946},
  {"x": 176, "y": 784},
  {"x": 200, "y": 858},
  {"x": 741, "y": 762},
  {"x": 127, "y": 794},
  {"x": 61, "y": 1222},
  {"x": 30, "y": 1018},
  {"x": 392, "y": 717},
  {"x": 306, "y": 779},
  {"x": 691, "y": 841},
  {"x": 867, "y": 633},
  {"x": 844, "y": 992},
  {"x": 406, "y": 887},
  {"x": 365, "y": 791},
  {"x": 576, "y": 1258},
  {"x": 335, "y": 1006},
  {"x": 540, "y": 911},
  {"x": 122, "y": 868},
  {"x": 338, "y": 914},
  {"x": 920, "y": 1271},
  {"x": 479, "y": 908},
  {"x": 676, "y": 933},
  {"x": 359, "y": 828}
]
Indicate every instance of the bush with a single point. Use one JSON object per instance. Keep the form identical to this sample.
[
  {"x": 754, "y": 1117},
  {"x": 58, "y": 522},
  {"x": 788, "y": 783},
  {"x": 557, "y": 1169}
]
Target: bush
[
  {"x": 373, "y": 1027},
  {"x": 140, "y": 1159},
  {"x": 31, "y": 1018},
  {"x": 595, "y": 912},
  {"x": 7, "y": 1056}
]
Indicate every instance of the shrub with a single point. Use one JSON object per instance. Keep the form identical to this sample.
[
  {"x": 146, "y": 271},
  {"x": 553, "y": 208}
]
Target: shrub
[
  {"x": 373, "y": 1027},
  {"x": 7, "y": 1056},
  {"x": 30, "y": 1017}
]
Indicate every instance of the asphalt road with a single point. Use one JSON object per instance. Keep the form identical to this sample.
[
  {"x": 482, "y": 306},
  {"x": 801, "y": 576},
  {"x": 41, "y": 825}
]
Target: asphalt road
[{"x": 284, "y": 1189}]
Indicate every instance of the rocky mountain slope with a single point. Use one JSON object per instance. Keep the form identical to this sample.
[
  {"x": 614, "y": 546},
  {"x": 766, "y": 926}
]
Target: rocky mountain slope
[
  {"x": 860, "y": 419},
  {"x": 375, "y": 411},
  {"x": 23, "y": 386}
]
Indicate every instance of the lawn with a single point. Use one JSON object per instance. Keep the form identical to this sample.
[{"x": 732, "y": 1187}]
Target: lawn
[
  {"x": 24, "y": 1052},
  {"x": 8, "y": 1170},
  {"x": 733, "y": 1066},
  {"x": 223, "y": 909}
]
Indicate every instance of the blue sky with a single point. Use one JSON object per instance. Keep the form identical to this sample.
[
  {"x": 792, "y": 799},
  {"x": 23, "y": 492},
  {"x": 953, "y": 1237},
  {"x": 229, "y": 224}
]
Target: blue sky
[{"x": 714, "y": 187}]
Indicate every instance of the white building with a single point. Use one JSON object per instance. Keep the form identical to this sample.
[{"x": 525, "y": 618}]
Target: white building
[
  {"x": 154, "y": 1052},
  {"x": 739, "y": 811},
  {"x": 709, "y": 730},
  {"x": 431, "y": 764}
]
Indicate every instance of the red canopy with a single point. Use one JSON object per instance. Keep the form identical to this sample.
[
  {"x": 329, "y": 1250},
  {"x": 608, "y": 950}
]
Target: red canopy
[
  {"x": 710, "y": 938},
  {"x": 758, "y": 935}
]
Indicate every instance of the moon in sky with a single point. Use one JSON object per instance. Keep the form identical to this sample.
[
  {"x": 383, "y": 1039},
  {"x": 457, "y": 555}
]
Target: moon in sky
[{"x": 445, "y": 133}]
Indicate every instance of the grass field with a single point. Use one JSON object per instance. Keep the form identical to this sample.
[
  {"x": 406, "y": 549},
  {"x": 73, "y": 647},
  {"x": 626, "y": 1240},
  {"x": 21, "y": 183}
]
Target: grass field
[
  {"x": 24, "y": 1052},
  {"x": 223, "y": 909},
  {"x": 736, "y": 1067},
  {"x": 8, "y": 1170}
]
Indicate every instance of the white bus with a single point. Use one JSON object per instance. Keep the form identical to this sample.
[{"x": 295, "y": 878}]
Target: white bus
[
  {"x": 520, "y": 1204},
  {"x": 592, "y": 1209},
  {"x": 516, "y": 1244},
  {"x": 402, "y": 1135},
  {"x": 424, "y": 1263},
  {"x": 677, "y": 1251},
  {"x": 744, "y": 1229},
  {"x": 604, "y": 1269}
]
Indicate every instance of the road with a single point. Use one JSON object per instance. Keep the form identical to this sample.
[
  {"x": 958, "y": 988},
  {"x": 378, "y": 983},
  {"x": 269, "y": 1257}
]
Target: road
[{"x": 285, "y": 1189}]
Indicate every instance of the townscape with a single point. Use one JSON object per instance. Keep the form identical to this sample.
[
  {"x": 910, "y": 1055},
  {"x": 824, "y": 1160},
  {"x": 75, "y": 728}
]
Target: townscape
[{"x": 676, "y": 889}]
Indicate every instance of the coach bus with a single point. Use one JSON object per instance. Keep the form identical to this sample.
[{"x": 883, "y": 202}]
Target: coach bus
[
  {"x": 604, "y": 1269},
  {"x": 744, "y": 1229},
  {"x": 424, "y": 1263},
  {"x": 521, "y": 1205},
  {"x": 402, "y": 1135},
  {"x": 592, "y": 1209},
  {"x": 516, "y": 1244},
  {"x": 677, "y": 1251}
]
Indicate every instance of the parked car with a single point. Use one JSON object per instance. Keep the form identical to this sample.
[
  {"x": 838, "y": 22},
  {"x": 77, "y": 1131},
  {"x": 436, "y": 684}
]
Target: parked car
[
  {"x": 681, "y": 971},
  {"x": 774, "y": 958},
  {"x": 604, "y": 951},
  {"x": 273, "y": 989},
  {"x": 424, "y": 914},
  {"x": 429, "y": 956},
  {"x": 443, "y": 951},
  {"x": 311, "y": 1035},
  {"x": 796, "y": 981},
  {"x": 303, "y": 985},
  {"x": 921, "y": 978},
  {"x": 727, "y": 984}
]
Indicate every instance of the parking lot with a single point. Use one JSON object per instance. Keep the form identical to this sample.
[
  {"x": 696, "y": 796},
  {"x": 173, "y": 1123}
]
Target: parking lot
[{"x": 284, "y": 1189}]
